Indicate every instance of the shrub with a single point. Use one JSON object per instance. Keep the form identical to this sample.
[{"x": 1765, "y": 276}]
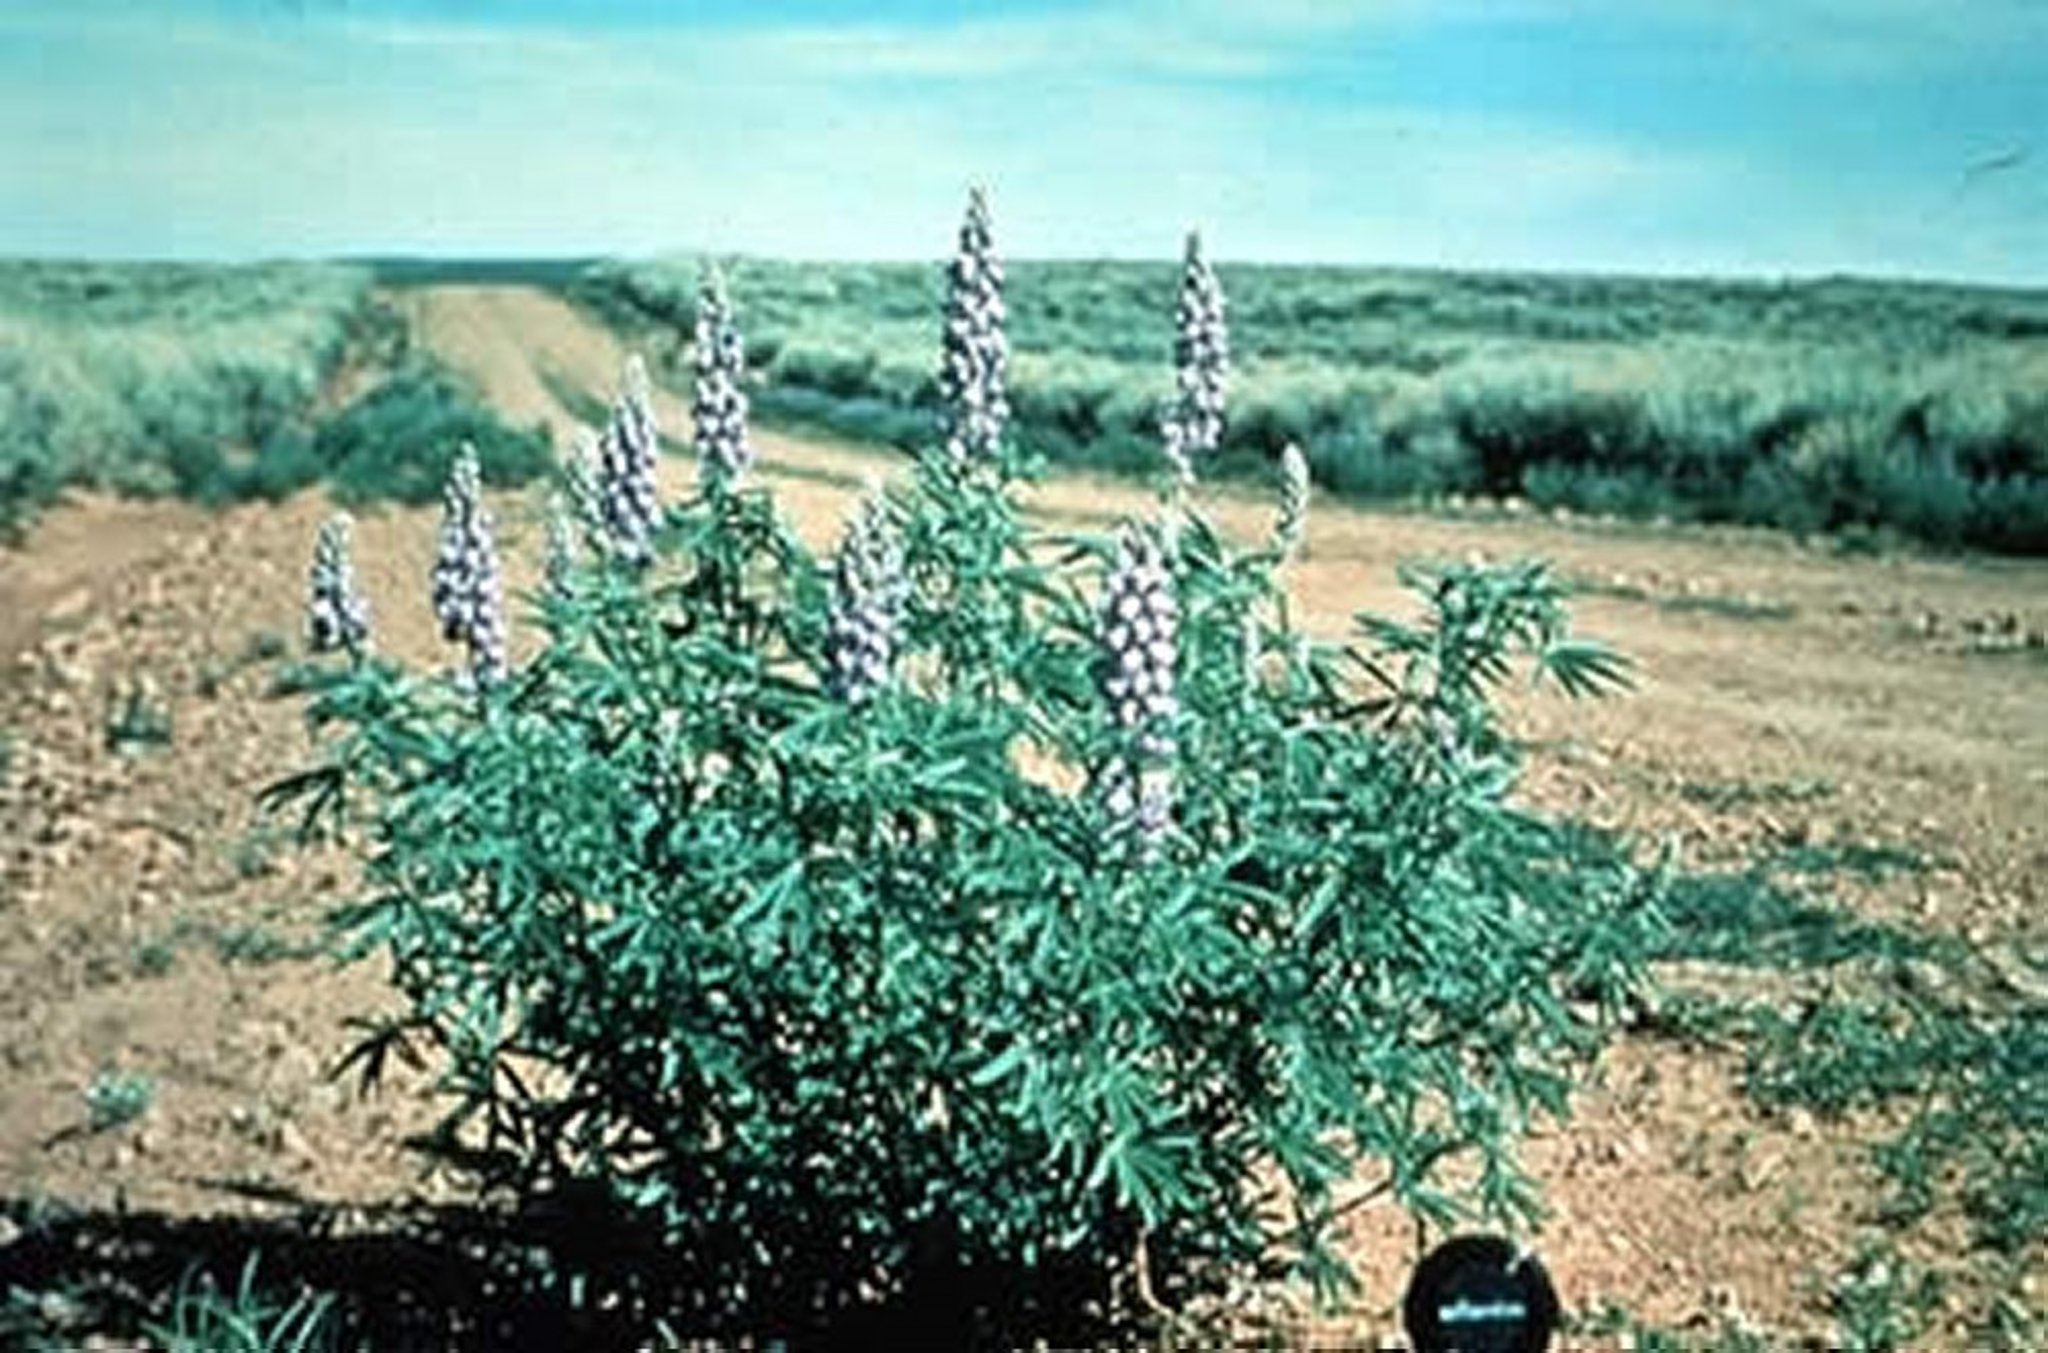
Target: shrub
[
  {"x": 944, "y": 912},
  {"x": 150, "y": 378},
  {"x": 398, "y": 441},
  {"x": 861, "y": 992}
]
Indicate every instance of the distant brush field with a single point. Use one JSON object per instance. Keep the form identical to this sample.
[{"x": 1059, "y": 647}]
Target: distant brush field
[
  {"x": 136, "y": 377},
  {"x": 221, "y": 383},
  {"x": 1859, "y": 407}
]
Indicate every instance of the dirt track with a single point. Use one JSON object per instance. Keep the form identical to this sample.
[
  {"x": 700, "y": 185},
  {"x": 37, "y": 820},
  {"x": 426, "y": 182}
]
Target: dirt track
[{"x": 1760, "y": 661}]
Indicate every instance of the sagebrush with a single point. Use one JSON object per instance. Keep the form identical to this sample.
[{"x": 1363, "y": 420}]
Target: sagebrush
[{"x": 1834, "y": 404}]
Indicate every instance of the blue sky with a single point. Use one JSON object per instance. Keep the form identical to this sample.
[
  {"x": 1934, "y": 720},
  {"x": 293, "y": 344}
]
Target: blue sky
[{"x": 1720, "y": 136}]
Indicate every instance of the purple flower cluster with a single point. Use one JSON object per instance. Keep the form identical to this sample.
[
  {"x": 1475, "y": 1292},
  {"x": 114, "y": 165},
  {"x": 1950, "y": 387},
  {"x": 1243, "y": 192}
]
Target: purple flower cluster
[
  {"x": 469, "y": 589},
  {"x": 976, "y": 352},
  {"x": 724, "y": 454},
  {"x": 1140, "y": 626},
  {"x": 1201, "y": 360},
  {"x": 337, "y": 616},
  {"x": 868, "y": 591},
  {"x": 626, "y": 456}
]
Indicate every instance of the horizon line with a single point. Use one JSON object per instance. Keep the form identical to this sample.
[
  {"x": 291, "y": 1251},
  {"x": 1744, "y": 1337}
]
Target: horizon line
[{"x": 1561, "y": 272}]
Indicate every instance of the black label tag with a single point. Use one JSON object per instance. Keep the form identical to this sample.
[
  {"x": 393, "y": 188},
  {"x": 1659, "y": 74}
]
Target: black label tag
[{"x": 1479, "y": 1294}]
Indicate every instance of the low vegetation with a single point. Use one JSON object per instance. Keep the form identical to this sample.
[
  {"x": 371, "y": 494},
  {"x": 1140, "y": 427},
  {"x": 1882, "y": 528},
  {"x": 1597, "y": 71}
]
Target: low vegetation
[
  {"x": 399, "y": 440},
  {"x": 1838, "y": 405},
  {"x": 211, "y": 382},
  {"x": 1911, "y": 1030},
  {"x": 145, "y": 378}
]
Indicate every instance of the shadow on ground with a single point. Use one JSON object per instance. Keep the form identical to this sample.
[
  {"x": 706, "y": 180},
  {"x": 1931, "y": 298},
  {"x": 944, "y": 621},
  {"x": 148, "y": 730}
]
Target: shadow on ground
[{"x": 561, "y": 1275}]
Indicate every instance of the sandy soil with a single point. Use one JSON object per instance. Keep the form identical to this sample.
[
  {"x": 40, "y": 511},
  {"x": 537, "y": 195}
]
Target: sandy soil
[{"x": 142, "y": 903}]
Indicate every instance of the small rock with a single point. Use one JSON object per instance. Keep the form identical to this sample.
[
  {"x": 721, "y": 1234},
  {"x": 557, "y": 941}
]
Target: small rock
[
  {"x": 292, "y": 1142},
  {"x": 69, "y": 608},
  {"x": 74, "y": 674},
  {"x": 294, "y": 1069}
]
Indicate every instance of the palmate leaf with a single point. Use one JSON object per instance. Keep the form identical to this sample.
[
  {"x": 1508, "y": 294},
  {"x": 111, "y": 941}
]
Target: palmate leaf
[
  {"x": 1584, "y": 668},
  {"x": 380, "y": 1040},
  {"x": 320, "y": 795}
]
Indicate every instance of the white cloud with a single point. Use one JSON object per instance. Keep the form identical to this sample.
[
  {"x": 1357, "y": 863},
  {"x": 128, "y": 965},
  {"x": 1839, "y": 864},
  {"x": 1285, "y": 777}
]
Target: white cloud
[
  {"x": 1857, "y": 39},
  {"x": 1104, "y": 134}
]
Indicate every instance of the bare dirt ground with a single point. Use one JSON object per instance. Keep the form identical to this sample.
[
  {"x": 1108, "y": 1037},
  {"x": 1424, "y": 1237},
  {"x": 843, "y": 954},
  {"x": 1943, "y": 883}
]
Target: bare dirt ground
[{"x": 148, "y": 919}]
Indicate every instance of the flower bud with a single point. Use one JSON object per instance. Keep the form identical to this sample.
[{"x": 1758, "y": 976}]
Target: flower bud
[
  {"x": 626, "y": 457},
  {"x": 974, "y": 408},
  {"x": 1291, "y": 528},
  {"x": 564, "y": 550},
  {"x": 719, "y": 409},
  {"x": 1201, "y": 359},
  {"x": 468, "y": 587},
  {"x": 1138, "y": 634},
  {"x": 869, "y": 588},
  {"x": 337, "y": 616}
]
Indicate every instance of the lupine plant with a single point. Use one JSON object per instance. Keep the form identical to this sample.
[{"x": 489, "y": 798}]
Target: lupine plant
[
  {"x": 867, "y": 599},
  {"x": 974, "y": 904},
  {"x": 564, "y": 543},
  {"x": 1290, "y": 529},
  {"x": 1140, "y": 654},
  {"x": 581, "y": 487}
]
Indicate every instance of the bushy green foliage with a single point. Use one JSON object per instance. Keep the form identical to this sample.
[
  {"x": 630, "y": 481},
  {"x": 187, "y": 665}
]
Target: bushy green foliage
[
  {"x": 399, "y": 440},
  {"x": 205, "y": 382},
  {"x": 1812, "y": 406},
  {"x": 864, "y": 994},
  {"x": 150, "y": 377}
]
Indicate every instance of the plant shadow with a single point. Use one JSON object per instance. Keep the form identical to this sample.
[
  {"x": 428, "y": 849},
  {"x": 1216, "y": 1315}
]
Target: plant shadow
[{"x": 558, "y": 1273}]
